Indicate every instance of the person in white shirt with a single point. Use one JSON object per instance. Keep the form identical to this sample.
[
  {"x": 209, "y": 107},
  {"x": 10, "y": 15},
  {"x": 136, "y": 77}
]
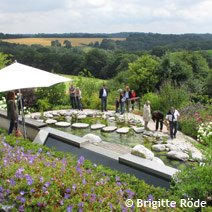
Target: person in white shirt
[
  {"x": 146, "y": 114},
  {"x": 172, "y": 116}
]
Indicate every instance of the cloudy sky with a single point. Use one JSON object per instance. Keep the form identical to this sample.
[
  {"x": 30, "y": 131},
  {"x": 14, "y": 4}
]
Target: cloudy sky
[{"x": 105, "y": 16}]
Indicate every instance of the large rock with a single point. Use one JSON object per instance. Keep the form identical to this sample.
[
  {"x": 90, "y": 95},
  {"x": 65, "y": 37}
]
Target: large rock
[
  {"x": 172, "y": 147},
  {"x": 81, "y": 117},
  {"x": 48, "y": 115},
  {"x": 158, "y": 160},
  {"x": 142, "y": 151},
  {"x": 178, "y": 155},
  {"x": 159, "y": 147},
  {"x": 93, "y": 139},
  {"x": 148, "y": 133},
  {"x": 97, "y": 126},
  {"x": 55, "y": 113},
  {"x": 80, "y": 125},
  {"x": 91, "y": 114},
  {"x": 123, "y": 130},
  {"x": 111, "y": 119},
  {"x": 139, "y": 129},
  {"x": 51, "y": 121},
  {"x": 62, "y": 124},
  {"x": 109, "y": 129}
]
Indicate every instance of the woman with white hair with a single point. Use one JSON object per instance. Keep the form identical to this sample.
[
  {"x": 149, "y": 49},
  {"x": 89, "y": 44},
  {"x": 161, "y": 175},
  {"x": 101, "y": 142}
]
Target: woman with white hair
[{"x": 146, "y": 113}]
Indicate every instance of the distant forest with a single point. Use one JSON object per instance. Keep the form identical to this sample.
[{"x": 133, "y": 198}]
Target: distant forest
[
  {"x": 109, "y": 58},
  {"x": 134, "y": 41}
]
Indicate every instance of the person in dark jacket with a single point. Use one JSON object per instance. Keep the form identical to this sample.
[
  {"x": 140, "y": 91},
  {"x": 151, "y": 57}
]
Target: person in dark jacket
[
  {"x": 103, "y": 94},
  {"x": 158, "y": 116},
  {"x": 122, "y": 100},
  {"x": 12, "y": 111},
  {"x": 117, "y": 105}
]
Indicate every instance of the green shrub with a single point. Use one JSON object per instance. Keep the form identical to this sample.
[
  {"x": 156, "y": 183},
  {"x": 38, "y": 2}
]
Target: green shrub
[
  {"x": 154, "y": 101},
  {"x": 55, "y": 94},
  {"x": 194, "y": 183},
  {"x": 43, "y": 104}
]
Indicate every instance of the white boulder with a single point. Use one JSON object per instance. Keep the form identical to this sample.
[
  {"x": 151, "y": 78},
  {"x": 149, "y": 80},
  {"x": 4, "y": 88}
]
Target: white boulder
[
  {"x": 93, "y": 139},
  {"x": 158, "y": 160},
  {"x": 159, "y": 147},
  {"x": 142, "y": 151},
  {"x": 178, "y": 155}
]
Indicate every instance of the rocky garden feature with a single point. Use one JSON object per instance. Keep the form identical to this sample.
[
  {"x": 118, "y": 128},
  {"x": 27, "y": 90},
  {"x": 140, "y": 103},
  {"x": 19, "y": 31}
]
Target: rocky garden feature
[{"x": 125, "y": 127}]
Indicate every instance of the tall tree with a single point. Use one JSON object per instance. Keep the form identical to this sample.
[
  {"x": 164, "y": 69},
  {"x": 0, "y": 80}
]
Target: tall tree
[{"x": 143, "y": 76}]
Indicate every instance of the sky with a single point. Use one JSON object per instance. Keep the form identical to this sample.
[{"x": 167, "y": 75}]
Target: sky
[{"x": 105, "y": 16}]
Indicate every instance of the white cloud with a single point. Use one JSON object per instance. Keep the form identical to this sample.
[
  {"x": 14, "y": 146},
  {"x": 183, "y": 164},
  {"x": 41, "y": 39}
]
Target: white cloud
[{"x": 51, "y": 16}]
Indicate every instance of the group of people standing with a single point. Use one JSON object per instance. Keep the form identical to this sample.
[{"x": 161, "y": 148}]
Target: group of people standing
[
  {"x": 124, "y": 98},
  {"x": 171, "y": 119},
  {"x": 75, "y": 97}
]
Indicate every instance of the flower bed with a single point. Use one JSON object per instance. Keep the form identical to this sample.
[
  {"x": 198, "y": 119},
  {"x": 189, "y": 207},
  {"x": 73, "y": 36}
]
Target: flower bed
[
  {"x": 192, "y": 117},
  {"x": 43, "y": 180},
  {"x": 35, "y": 178}
]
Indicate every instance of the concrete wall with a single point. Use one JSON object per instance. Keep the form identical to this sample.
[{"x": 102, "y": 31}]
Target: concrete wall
[{"x": 32, "y": 126}]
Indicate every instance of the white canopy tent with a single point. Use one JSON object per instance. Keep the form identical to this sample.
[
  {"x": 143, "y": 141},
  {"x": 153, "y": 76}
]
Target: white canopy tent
[{"x": 19, "y": 76}]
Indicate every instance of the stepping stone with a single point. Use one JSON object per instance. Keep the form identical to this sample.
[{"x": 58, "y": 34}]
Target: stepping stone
[
  {"x": 62, "y": 124},
  {"x": 123, "y": 130},
  {"x": 55, "y": 114},
  {"x": 109, "y": 129},
  {"x": 51, "y": 121},
  {"x": 97, "y": 126},
  {"x": 80, "y": 125},
  {"x": 159, "y": 147}
]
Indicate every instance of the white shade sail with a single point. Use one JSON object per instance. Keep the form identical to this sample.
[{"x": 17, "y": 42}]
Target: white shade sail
[{"x": 19, "y": 76}]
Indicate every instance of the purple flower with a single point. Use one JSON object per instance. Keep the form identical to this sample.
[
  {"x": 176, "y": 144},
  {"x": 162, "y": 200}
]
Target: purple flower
[
  {"x": 80, "y": 210},
  {"x": 29, "y": 182},
  {"x": 150, "y": 197},
  {"x": 1, "y": 195},
  {"x": 41, "y": 179},
  {"x": 94, "y": 165},
  {"x": 23, "y": 200},
  {"x": 7, "y": 191},
  {"x": 44, "y": 188},
  {"x": 32, "y": 190},
  {"x": 85, "y": 195},
  {"x": 194, "y": 168},
  {"x": 83, "y": 181},
  {"x": 103, "y": 174},
  {"x": 69, "y": 208},
  {"x": 68, "y": 190},
  {"x": 21, "y": 208},
  {"x": 61, "y": 202},
  {"x": 110, "y": 205},
  {"x": 47, "y": 184},
  {"x": 66, "y": 196},
  {"x": 12, "y": 182},
  {"x": 117, "y": 179},
  {"x": 22, "y": 193},
  {"x": 81, "y": 204},
  {"x": 48, "y": 153},
  {"x": 17, "y": 141},
  {"x": 74, "y": 187},
  {"x": 1, "y": 189},
  {"x": 39, "y": 204}
]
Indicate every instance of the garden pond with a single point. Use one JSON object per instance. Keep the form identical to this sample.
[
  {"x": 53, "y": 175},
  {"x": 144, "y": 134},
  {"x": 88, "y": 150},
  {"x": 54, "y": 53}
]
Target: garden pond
[{"x": 130, "y": 139}]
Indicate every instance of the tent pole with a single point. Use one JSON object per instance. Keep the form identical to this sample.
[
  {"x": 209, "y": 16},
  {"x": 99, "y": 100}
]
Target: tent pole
[{"x": 22, "y": 113}]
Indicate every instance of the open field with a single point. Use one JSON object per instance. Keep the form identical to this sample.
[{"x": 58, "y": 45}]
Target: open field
[{"x": 47, "y": 41}]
